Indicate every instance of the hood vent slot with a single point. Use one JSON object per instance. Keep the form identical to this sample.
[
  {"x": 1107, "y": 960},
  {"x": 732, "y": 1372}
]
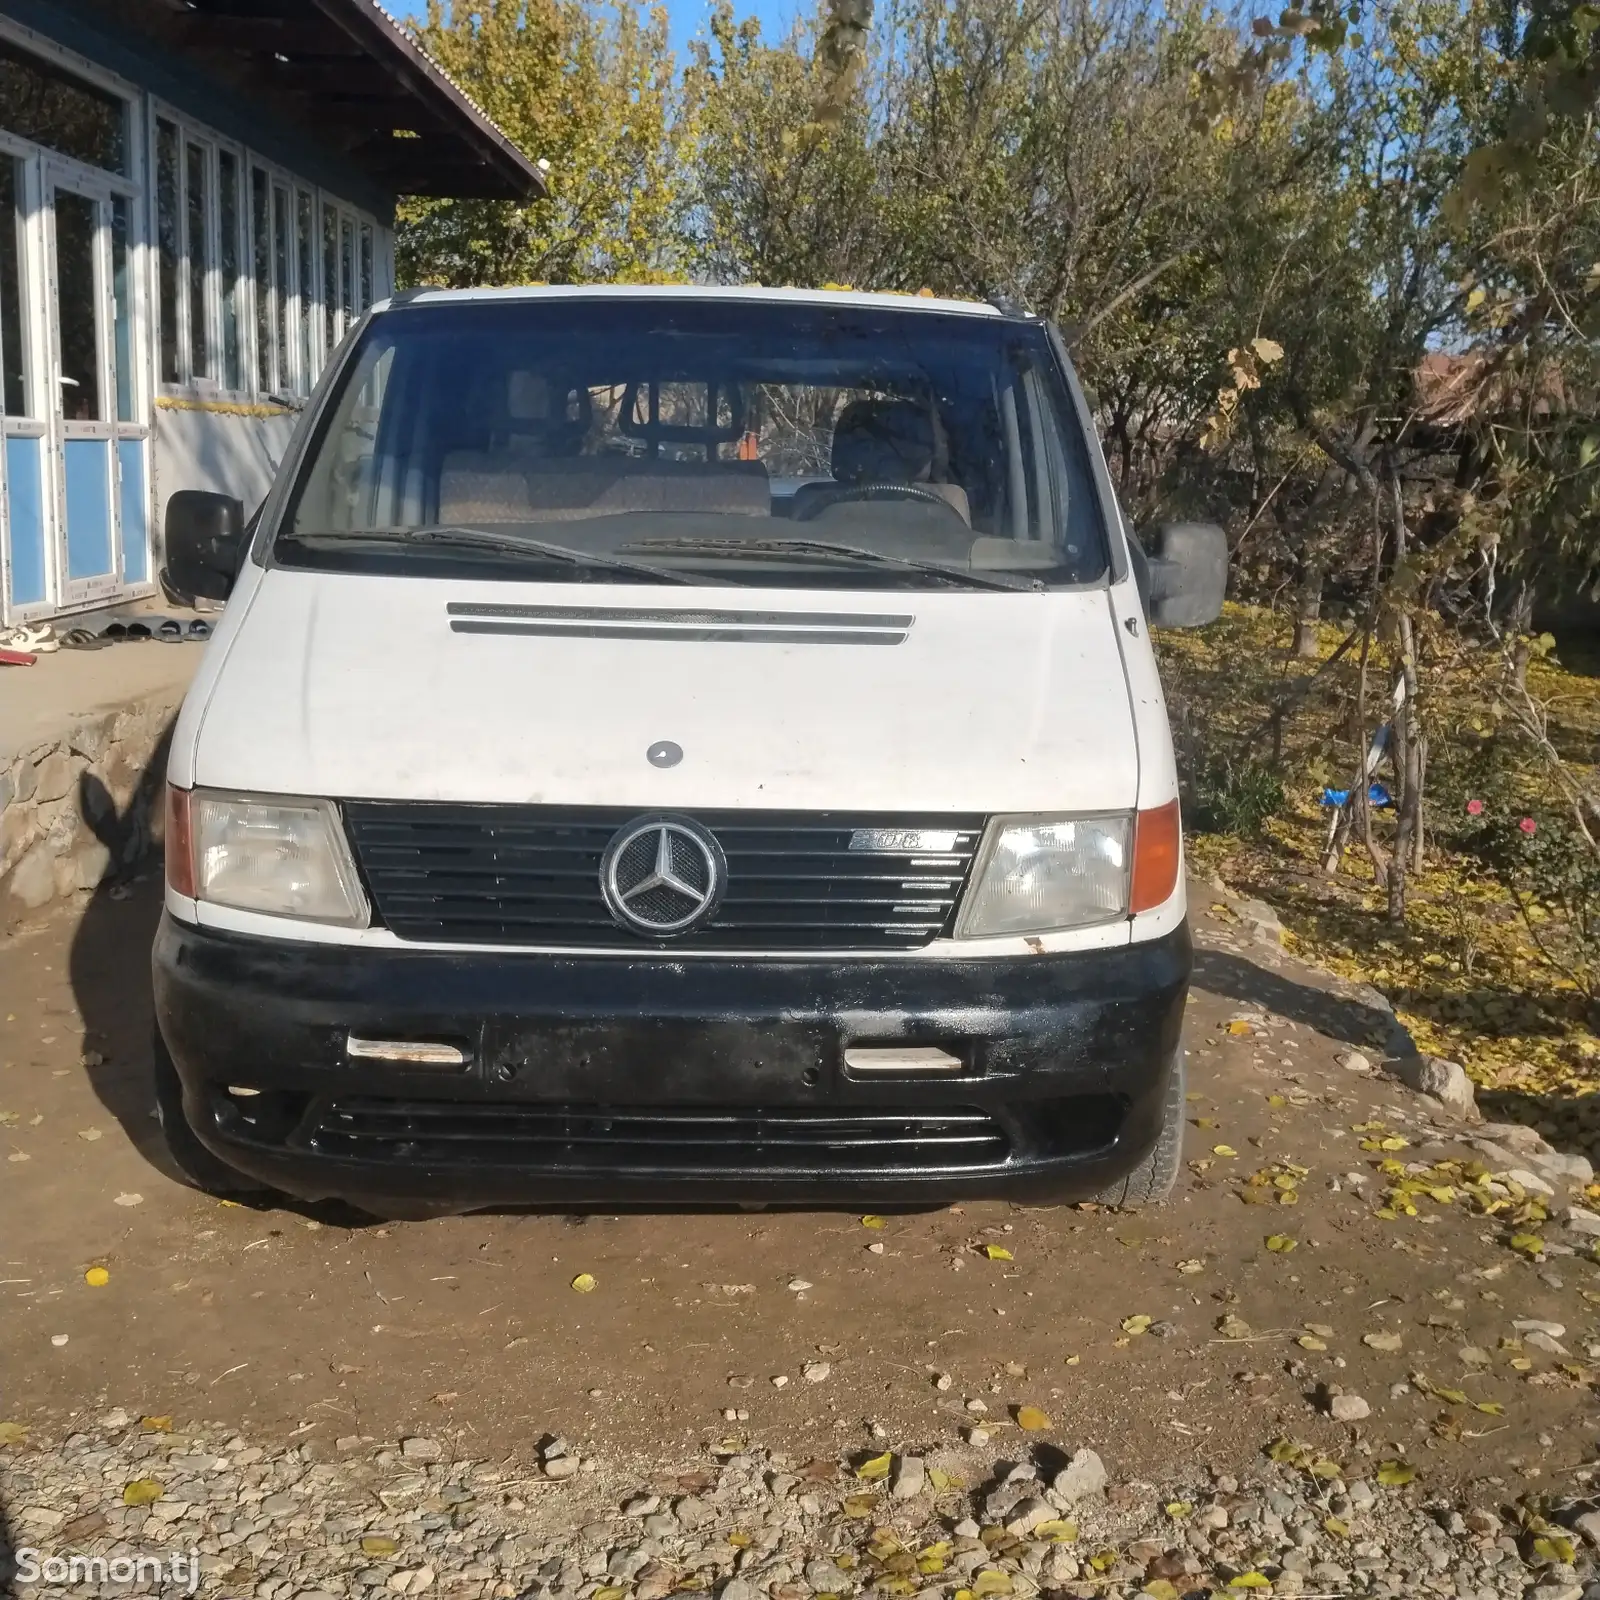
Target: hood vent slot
[{"x": 681, "y": 626}]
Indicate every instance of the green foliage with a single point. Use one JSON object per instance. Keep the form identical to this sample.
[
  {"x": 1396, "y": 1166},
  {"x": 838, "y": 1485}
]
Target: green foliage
[
  {"x": 1236, "y": 796},
  {"x": 588, "y": 88}
]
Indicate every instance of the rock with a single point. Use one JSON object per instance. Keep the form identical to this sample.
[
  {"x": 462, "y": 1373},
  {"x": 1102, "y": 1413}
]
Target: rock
[
  {"x": 1483, "y": 1523},
  {"x": 1557, "y": 1167},
  {"x": 415, "y": 1449},
  {"x": 824, "y": 1577},
  {"x": 562, "y": 1467},
  {"x": 1589, "y": 1526},
  {"x": 692, "y": 1512},
  {"x": 1355, "y": 1061},
  {"x": 1531, "y": 1181},
  {"x": 816, "y": 1371},
  {"x": 1542, "y": 1341},
  {"x": 1555, "y": 1591},
  {"x": 627, "y": 1563},
  {"x": 1581, "y": 1220},
  {"x": 1027, "y": 1514},
  {"x": 1262, "y": 921},
  {"x": 909, "y": 1478},
  {"x": 1556, "y": 1330},
  {"x": 1348, "y": 1408},
  {"x": 662, "y": 1525},
  {"x": 1444, "y": 1080},
  {"x": 1083, "y": 1477},
  {"x": 737, "y": 1589},
  {"x": 641, "y": 1505},
  {"x": 557, "y": 1447},
  {"x": 1516, "y": 1136}
]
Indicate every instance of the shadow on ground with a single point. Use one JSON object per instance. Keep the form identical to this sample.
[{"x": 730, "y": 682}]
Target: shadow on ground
[
  {"x": 110, "y": 956},
  {"x": 1340, "y": 1017}
]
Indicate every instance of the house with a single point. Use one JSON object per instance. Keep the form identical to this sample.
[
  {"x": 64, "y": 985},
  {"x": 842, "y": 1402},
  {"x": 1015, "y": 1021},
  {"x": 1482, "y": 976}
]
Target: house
[{"x": 197, "y": 199}]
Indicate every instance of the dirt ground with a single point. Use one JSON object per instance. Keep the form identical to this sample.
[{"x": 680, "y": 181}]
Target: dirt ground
[{"x": 1152, "y": 1338}]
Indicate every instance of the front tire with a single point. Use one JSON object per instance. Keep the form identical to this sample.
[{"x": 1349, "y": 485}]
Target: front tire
[
  {"x": 194, "y": 1162},
  {"x": 1153, "y": 1180}
]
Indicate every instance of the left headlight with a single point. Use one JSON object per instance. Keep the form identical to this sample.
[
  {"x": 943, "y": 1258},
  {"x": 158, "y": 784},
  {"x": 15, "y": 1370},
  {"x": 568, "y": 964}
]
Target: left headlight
[
  {"x": 1040, "y": 874},
  {"x": 285, "y": 857}
]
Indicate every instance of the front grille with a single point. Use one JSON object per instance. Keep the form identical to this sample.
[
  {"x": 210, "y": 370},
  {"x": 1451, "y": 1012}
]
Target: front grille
[
  {"x": 708, "y": 1139},
  {"x": 531, "y": 875}
]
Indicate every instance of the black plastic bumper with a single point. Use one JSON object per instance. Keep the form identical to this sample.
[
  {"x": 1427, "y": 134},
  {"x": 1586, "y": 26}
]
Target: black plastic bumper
[{"x": 612, "y": 1080}]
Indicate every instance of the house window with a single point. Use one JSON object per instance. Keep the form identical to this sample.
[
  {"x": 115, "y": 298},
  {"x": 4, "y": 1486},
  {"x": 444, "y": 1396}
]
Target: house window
[
  {"x": 122, "y": 308},
  {"x": 168, "y": 248},
  {"x": 258, "y": 277},
  {"x": 306, "y": 263},
  {"x": 230, "y": 218},
  {"x": 280, "y": 278},
  {"x": 330, "y": 278},
  {"x": 61, "y": 112},
  {"x": 13, "y": 358},
  {"x": 261, "y": 261},
  {"x": 196, "y": 242}
]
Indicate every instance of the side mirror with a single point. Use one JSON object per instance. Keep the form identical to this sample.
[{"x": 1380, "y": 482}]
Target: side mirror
[
  {"x": 1188, "y": 574},
  {"x": 205, "y": 539}
]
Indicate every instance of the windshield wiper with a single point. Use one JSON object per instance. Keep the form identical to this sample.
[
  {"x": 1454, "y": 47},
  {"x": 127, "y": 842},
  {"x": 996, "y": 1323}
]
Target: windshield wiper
[
  {"x": 448, "y": 534},
  {"x": 827, "y": 547}
]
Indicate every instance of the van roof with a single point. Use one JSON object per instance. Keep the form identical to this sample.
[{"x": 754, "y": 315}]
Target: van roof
[{"x": 654, "y": 291}]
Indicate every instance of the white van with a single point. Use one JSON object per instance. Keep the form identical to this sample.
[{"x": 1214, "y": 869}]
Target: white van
[{"x": 680, "y": 745}]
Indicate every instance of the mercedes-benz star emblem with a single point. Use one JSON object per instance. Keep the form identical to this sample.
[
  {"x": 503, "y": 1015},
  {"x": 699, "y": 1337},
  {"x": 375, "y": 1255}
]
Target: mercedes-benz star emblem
[{"x": 662, "y": 875}]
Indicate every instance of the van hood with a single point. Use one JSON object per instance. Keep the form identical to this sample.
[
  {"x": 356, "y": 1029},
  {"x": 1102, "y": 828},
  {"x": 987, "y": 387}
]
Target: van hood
[{"x": 361, "y": 687}]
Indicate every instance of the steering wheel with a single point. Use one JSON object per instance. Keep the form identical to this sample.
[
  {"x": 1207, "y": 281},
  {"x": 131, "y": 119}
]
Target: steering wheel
[{"x": 834, "y": 494}]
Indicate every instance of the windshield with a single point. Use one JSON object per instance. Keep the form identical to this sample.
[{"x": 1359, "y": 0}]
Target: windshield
[{"x": 701, "y": 440}]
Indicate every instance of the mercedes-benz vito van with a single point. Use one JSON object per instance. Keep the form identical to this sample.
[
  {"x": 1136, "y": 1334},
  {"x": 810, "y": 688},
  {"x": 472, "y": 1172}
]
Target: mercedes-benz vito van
[{"x": 680, "y": 745}]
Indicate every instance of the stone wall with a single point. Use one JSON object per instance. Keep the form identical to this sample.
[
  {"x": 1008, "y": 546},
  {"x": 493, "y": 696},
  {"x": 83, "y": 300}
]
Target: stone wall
[{"x": 83, "y": 808}]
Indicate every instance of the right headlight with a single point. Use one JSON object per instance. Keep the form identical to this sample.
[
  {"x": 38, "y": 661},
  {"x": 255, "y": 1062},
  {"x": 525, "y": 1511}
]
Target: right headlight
[
  {"x": 282, "y": 855},
  {"x": 1042, "y": 874}
]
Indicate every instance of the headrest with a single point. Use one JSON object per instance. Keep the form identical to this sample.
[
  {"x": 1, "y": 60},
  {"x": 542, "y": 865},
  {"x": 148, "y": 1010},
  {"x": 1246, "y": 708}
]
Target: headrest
[{"x": 882, "y": 441}]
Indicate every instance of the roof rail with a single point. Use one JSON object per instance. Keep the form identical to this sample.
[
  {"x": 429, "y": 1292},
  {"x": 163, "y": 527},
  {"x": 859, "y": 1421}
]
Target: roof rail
[{"x": 1007, "y": 306}]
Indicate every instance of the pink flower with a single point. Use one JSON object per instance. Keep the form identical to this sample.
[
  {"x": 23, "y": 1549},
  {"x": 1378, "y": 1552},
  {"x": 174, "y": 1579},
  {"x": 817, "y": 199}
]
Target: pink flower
[
  {"x": 1528, "y": 825},
  {"x": 1474, "y": 808}
]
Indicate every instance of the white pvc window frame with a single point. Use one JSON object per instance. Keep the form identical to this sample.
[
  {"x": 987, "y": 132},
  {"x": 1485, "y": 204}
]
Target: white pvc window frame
[{"x": 300, "y": 312}]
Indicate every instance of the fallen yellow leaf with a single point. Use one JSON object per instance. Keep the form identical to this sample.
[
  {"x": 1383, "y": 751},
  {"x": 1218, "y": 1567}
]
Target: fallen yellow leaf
[
  {"x": 13, "y": 1433},
  {"x": 998, "y": 1252},
  {"x": 1223, "y": 1150},
  {"x": 872, "y": 1221},
  {"x": 141, "y": 1492},
  {"x": 584, "y": 1283},
  {"x": 97, "y": 1277},
  {"x": 1249, "y": 1580},
  {"x": 156, "y": 1424},
  {"x": 1280, "y": 1243},
  {"x": 1032, "y": 1420},
  {"x": 875, "y": 1468},
  {"x": 1137, "y": 1325},
  {"x": 1396, "y": 1474},
  {"x": 1238, "y": 1028},
  {"x": 1057, "y": 1531},
  {"x": 378, "y": 1544}
]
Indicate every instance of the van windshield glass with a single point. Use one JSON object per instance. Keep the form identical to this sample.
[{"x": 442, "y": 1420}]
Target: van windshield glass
[{"x": 705, "y": 440}]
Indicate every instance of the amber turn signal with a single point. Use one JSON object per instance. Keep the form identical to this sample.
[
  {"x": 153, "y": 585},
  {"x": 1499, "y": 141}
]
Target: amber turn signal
[
  {"x": 179, "y": 843},
  {"x": 1157, "y": 851}
]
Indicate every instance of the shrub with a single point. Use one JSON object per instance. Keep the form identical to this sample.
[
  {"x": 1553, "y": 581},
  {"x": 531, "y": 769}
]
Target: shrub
[{"x": 1235, "y": 796}]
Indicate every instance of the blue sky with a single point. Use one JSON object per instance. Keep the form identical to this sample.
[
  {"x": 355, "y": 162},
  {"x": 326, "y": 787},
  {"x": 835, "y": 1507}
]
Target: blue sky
[{"x": 687, "y": 16}]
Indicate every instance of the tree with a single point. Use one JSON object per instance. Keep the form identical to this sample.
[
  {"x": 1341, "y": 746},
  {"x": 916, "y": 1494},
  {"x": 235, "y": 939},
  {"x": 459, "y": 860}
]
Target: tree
[{"x": 591, "y": 91}]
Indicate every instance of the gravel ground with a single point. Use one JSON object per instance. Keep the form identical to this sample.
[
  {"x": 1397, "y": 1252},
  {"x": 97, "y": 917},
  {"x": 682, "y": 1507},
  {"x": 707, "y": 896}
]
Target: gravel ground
[{"x": 385, "y": 1518}]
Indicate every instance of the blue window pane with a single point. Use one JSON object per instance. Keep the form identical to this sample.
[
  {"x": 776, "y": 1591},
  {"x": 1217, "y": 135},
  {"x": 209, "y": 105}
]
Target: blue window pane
[
  {"x": 87, "y": 467},
  {"x": 135, "y": 511},
  {"x": 25, "y": 501}
]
